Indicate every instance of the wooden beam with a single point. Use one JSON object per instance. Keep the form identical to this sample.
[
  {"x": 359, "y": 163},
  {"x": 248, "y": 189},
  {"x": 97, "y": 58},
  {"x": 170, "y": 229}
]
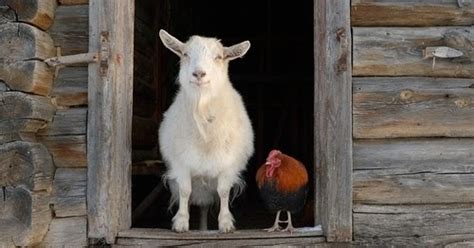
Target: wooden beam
[
  {"x": 67, "y": 122},
  {"x": 22, "y": 49},
  {"x": 372, "y": 221},
  {"x": 70, "y": 30},
  {"x": 385, "y": 13},
  {"x": 22, "y": 113},
  {"x": 26, "y": 175},
  {"x": 73, "y": 2},
  {"x": 110, "y": 119},
  {"x": 454, "y": 240},
  {"x": 69, "y": 192},
  {"x": 39, "y": 13},
  {"x": 68, "y": 151},
  {"x": 413, "y": 107},
  {"x": 70, "y": 231},
  {"x": 70, "y": 87},
  {"x": 399, "y": 52},
  {"x": 414, "y": 171},
  {"x": 333, "y": 118}
]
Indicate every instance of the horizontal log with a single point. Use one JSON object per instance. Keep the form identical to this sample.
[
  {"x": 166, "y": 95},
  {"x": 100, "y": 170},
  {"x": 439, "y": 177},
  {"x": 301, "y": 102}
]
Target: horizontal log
[
  {"x": 71, "y": 232},
  {"x": 39, "y": 13},
  {"x": 413, "y": 107},
  {"x": 70, "y": 30},
  {"x": 21, "y": 49},
  {"x": 399, "y": 51},
  {"x": 69, "y": 192},
  {"x": 412, "y": 13},
  {"x": 73, "y": 2},
  {"x": 26, "y": 164},
  {"x": 456, "y": 240},
  {"x": 70, "y": 87},
  {"x": 25, "y": 216},
  {"x": 22, "y": 113},
  {"x": 71, "y": 121},
  {"x": 412, "y": 221},
  {"x": 413, "y": 171},
  {"x": 26, "y": 175},
  {"x": 67, "y": 151}
]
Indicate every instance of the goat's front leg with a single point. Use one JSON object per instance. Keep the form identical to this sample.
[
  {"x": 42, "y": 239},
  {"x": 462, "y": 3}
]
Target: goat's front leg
[
  {"x": 225, "y": 219},
  {"x": 181, "y": 219}
]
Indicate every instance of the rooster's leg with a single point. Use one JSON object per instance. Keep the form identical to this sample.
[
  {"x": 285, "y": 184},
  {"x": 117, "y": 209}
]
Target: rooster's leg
[
  {"x": 276, "y": 226},
  {"x": 290, "y": 227}
]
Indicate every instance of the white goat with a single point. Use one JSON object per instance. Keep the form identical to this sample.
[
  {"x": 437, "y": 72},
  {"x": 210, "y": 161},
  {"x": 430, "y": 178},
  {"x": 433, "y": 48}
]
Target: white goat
[{"x": 206, "y": 137}]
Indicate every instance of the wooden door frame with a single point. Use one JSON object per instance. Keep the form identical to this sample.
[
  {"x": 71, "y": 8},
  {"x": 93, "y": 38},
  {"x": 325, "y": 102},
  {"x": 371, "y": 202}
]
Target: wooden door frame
[{"x": 110, "y": 116}]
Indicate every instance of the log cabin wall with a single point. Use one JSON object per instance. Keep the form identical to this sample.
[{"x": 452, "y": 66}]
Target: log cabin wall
[
  {"x": 43, "y": 124},
  {"x": 413, "y": 179}
]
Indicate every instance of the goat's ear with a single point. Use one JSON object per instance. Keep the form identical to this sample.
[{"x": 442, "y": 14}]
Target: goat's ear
[
  {"x": 171, "y": 42},
  {"x": 236, "y": 51}
]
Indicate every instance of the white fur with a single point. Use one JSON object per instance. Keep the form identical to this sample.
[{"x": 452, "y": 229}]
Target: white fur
[{"x": 206, "y": 137}]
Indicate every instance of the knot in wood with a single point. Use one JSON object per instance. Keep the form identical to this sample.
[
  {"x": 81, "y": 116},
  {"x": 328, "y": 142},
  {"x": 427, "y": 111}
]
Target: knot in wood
[
  {"x": 462, "y": 103},
  {"x": 406, "y": 95},
  {"x": 340, "y": 34}
]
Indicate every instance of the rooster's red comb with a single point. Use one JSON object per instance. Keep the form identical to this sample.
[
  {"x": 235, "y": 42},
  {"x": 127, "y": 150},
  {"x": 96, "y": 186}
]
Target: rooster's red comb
[{"x": 273, "y": 153}]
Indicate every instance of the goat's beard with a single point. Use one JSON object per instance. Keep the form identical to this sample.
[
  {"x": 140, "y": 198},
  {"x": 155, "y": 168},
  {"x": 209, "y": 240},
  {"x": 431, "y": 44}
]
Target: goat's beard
[{"x": 201, "y": 114}]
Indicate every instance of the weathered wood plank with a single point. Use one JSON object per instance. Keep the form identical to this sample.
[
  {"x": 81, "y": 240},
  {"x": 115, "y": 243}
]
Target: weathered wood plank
[
  {"x": 333, "y": 118},
  {"x": 39, "y": 13},
  {"x": 26, "y": 175},
  {"x": 110, "y": 120},
  {"x": 21, "y": 48},
  {"x": 399, "y": 51},
  {"x": 456, "y": 240},
  {"x": 69, "y": 232},
  {"x": 413, "y": 107},
  {"x": 412, "y": 13},
  {"x": 427, "y": 171},
  {"x": 70, "y": 30},
  {"x": 70, "y": 87},
  {"x": 25, "y": 163},
  {"x": 67, "y": 122},
  {"x": 67, "y": 151},
  {"x": 412, "y": 221},
  {"x": 73, "y": 2},
  {"x": 22, "y": 113},
  {"x": 69, "y": 192}
]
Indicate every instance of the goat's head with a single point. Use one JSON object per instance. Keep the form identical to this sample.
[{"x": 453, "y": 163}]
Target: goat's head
[{"x": 204, "y": 61}]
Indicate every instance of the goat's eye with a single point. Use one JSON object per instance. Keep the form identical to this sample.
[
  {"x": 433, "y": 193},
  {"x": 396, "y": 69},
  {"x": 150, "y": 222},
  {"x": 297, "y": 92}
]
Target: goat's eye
[
  {"x": 185, "y": 54},
  {"x": 218, "y": 57}
]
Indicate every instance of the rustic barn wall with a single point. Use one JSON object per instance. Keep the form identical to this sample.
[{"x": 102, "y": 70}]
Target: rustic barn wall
[
  {"x": 42, "y": 130},
  {"x": 413, "y": 146}
]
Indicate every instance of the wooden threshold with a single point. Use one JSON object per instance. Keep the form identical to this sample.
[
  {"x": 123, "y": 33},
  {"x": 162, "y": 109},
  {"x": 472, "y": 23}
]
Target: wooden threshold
[{"x": 164, "y": 237}]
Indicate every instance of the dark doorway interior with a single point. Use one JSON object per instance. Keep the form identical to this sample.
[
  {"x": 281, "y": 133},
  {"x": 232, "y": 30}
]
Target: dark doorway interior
[{"x": 275, "y": 79}]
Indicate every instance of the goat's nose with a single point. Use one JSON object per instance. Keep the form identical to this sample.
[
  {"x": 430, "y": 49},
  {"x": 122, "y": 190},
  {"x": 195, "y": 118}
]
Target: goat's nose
[{"x": 199, "y": 74}]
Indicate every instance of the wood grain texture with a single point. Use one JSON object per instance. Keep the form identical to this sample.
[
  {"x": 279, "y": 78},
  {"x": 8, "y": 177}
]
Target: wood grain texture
[
  {"x": 70, "y": 30},
  {"x": 70, "y": 87},
  {"x": 67, "y": 122},
  {"x": 69, "y": 192},
  {"x": 399, "y": 51},
  {"x": 66, "y": 232},
  {"x": 143, "y": 237},
  {"x": 22, "y": 49},
  {"x": 413, "y": 107},
  {"x": 22, "y": 113},
  {"x": 68, "y": 151},
  {"x": 414, "y": 171},
  {"x": 455, "y": 240},
  {"x": 333, "y": 118},
  {"x": 110, "y": 120},
  {"x": 73, "y": 2},
  {"x": 39, "y": 13},
  {"x": 26, "y": 175},
  {"x": 412, "y": 13},
  {"x": 372, "y": 221}
]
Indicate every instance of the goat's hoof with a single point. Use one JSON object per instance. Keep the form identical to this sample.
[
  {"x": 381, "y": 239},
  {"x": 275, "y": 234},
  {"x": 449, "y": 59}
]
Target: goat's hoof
[
  {"x": 180, "y": 224},
  {"x": 226, "y": 225}
]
